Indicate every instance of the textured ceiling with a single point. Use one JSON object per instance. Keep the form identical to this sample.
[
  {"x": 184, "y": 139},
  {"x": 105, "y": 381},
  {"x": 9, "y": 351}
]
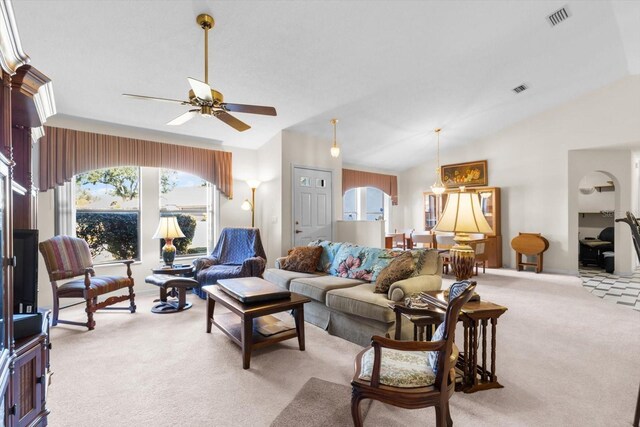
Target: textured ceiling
[{"x": 391, "y": 71}]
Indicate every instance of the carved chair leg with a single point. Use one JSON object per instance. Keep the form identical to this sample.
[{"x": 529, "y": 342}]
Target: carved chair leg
[
  {"x": 441, "y": 416},
  {"x": 91, "y": 324},
  {"x": 355, "y": 408},
  {"x": 449, "y": 420},
  {"x": 132, "y": 299}
]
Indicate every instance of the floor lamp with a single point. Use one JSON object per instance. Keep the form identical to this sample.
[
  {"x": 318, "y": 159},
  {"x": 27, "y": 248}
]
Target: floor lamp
[
  {"x": 251, "y": 205},
  {"x": 463, "y": 215}
]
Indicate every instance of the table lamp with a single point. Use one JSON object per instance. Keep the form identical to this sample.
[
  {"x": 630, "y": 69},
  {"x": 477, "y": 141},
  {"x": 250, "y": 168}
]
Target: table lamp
[
  {"x": 463, "y": 215},
  {"x": 168, "y": 229}
]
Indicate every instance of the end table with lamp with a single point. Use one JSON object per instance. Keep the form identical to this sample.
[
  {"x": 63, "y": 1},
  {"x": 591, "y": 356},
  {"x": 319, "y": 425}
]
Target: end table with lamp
[{"x": 172, "y": 277}]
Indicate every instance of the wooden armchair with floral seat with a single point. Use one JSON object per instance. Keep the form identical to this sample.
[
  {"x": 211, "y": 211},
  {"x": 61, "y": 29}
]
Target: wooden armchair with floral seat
[
  {"x": 67, "y": 257},
  {"x": 412, "y": 374}
]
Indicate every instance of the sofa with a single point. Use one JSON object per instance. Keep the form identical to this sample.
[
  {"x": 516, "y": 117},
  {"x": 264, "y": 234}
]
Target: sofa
[{"x": 342, "y": 295}]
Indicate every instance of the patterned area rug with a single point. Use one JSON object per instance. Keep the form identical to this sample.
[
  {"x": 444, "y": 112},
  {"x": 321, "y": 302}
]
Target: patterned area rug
[
  {"x": 320, "y": 404},
  {"x": 611, "y": 287}
]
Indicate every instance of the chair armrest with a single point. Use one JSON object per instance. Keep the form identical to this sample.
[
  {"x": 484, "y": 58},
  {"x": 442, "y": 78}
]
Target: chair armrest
[
  {"x": 88, "y": 273},
  {"x": 401, "y": 289},
  {"x": 202, "y": 263},
  {"x": 280, "y": 261},
  {"x": 128, "y": 263},
  {"x": 378, "y": 341},
  {"x": 254, "y": 266}
]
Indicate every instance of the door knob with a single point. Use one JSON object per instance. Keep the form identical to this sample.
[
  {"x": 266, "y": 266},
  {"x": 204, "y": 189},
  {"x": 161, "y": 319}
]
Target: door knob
[{"x": 298, "y": 231}]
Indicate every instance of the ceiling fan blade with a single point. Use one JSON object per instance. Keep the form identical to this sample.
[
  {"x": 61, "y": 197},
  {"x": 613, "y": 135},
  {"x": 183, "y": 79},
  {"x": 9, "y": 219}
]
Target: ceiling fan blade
[
  {"x": 183, "y": 118},
  {"x": 233, "y": 122},
  {"x": 253, "y": 109},
  {"x": 154, "y": 98},
  {"x": 200, "y": 89}
]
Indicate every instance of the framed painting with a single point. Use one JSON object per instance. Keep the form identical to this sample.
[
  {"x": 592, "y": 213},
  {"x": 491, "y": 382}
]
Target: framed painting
[{"x": 471, "y": 174}]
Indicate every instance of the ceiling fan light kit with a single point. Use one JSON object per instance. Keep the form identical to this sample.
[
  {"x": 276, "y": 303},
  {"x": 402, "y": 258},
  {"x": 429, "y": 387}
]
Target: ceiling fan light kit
[{"x": 209, "y": 102}]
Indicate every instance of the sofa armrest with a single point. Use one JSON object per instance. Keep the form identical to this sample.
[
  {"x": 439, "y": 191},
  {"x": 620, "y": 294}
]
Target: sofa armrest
[
  {"x": 401, "y": 289},
  {"x": 280, "y": 261}
]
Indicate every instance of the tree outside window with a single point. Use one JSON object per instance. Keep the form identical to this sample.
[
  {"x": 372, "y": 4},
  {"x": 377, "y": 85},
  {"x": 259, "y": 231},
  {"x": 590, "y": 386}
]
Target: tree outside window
[{"x": 108, "y": 211}]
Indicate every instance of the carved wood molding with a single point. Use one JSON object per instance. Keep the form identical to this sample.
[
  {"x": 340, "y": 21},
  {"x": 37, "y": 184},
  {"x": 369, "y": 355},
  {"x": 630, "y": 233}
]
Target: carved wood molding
[
  {"x": 12, "y": 56},
  {"x": 32, "y": 96}
]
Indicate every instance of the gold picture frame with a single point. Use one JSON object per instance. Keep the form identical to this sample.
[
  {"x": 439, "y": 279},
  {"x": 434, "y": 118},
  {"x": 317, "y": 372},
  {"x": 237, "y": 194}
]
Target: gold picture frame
[{"x": 470, "y": 174}]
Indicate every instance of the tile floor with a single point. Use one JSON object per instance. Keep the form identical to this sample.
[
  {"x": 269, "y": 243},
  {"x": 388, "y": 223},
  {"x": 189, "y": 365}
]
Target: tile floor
[{"x": 621, "y": 290}]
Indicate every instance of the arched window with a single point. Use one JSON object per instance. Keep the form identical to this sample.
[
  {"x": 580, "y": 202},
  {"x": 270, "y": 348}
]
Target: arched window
[
  {"x": 366, "y": 203},
  {"x": 116, "y": 210}
]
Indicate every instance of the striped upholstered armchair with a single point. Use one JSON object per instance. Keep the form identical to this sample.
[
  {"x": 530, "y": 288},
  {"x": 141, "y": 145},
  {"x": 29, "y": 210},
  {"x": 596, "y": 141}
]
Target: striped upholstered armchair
[{"x": 68, "y": 257}]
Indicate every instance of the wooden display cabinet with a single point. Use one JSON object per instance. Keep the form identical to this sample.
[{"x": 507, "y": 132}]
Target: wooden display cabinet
[
  {"x": 26, "y": 101},
  {"x": 489, "y": 201}
]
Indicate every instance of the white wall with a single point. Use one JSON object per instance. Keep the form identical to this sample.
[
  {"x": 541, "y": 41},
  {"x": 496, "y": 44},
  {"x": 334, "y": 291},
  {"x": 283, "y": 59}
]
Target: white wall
[
  {"x": 269, "y": 198},
  {"x": 530, "y": 162},
  {"x": 304, "y": 150}
]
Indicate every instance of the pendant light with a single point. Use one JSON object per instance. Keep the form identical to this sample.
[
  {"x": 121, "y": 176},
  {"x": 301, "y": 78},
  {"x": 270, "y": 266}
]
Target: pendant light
[
  {"x": 438, "y": 186},
  {"x": 335, "y": 150}
]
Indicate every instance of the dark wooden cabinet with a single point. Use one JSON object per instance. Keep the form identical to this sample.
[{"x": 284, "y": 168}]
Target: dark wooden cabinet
[
  {"x": 26, "y": 101},
  {"x": 30, "y": 373}
]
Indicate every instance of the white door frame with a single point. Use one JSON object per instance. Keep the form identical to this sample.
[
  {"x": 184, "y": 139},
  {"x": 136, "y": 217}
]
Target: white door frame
[{"x": 293, "y": 205}]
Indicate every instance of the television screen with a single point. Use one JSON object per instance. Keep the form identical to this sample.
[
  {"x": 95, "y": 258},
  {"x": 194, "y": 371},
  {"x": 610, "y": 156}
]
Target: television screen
[{"x": 25, "y": 272}]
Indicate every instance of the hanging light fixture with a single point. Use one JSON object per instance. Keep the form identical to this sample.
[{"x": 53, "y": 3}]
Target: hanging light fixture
[
  {"x": 335, "y": 150},
  {"x": 438, "y": 186}
]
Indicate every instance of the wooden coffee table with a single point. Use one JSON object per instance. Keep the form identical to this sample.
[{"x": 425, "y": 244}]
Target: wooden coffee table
[{"x": 239, "y": 323}]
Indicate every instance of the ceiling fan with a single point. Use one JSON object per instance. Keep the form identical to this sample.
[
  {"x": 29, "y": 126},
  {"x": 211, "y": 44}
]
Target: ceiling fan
[{"x": 209, "y": 102}]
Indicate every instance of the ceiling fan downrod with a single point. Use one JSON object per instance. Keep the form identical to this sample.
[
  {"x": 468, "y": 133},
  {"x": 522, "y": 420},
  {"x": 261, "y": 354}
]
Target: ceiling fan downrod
[{"x": 206, "y": 22}]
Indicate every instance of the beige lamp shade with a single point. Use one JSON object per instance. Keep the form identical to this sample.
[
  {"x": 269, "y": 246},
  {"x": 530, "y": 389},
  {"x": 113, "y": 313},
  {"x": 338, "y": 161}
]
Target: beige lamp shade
[
  {"x": 463, "y": 214},
  {"x": 168, "y": 228}
]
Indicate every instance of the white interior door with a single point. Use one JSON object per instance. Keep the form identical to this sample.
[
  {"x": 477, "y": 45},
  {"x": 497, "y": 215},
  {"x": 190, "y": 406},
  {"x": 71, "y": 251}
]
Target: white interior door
[{"x": 312, "y": 196}]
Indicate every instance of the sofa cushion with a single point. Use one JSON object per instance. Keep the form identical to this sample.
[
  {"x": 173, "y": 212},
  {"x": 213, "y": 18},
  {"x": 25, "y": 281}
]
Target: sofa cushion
[
  {"x": 317, "y": 287},
  {"x": 329, "y": 251},
  {"x": 361, "y": 301},
  {"x": 304, "y": 259},
  {"x": 400, "y": 268},
  {"x": 283, "y": 278},
  {"x": 360, "y": 262}
]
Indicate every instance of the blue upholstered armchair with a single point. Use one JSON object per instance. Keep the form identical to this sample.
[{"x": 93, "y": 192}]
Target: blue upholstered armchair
[{"x": 238, "y": 253}]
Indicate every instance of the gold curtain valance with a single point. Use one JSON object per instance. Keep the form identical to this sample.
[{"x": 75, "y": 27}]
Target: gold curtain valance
[
  {"x": 65, "y": 153},
  {"x": 387, "y": 183}
]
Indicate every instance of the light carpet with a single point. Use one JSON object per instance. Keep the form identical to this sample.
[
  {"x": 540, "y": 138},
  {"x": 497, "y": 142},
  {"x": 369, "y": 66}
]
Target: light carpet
[
  {"x": 320, "y": 403},
  {"x": 565, "y": 358}
]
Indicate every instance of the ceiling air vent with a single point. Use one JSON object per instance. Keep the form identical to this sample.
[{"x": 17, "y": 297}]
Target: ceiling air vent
[
  {"x": 558, "y": 16},
  {"x": 520, "y": 88}
]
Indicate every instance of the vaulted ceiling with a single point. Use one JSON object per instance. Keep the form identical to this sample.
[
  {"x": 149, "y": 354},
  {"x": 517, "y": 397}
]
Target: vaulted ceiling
[{"x": 391, "y": 71}]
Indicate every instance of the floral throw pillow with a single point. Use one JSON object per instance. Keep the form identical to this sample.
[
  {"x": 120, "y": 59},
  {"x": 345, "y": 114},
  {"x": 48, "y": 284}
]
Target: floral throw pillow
[
  {"x": 303, "y": 259},
  {"x": 402, "y": 267}
]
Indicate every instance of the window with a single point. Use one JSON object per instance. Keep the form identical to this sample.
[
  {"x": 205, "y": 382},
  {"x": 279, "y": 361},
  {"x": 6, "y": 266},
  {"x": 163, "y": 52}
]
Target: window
[
  {"x": 187, "y": 197},
  {"x": 107, "y": 212},
  {"x": 375, "y": 204},
  {"x": 116, "y": 211},
  {"x": 349, "y": 205},
  {"x": 365, "y": 203}
]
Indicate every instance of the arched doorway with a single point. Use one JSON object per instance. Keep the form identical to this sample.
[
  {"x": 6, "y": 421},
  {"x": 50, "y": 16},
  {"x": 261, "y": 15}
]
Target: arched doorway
[{"x": 596, "y": 215}]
